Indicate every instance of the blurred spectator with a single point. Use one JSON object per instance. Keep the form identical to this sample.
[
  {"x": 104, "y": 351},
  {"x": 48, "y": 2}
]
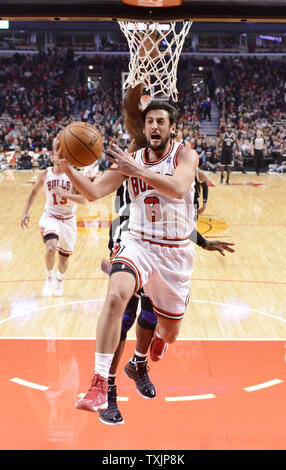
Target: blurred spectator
[
  {"x": 200, "y": 148},
  {"x": 36, "y": 155},
  {"x": 3, "y": 164},
  {"x": 246, "y": 148},
  {"x": 17, "y": 156},
  {"x": 44, "y": 159},
  {"x": 206, "y": 107},
  {"x": 212, "y": 162},
  {"x": 238, "y": 162},
  {"x": 276, "y": 151},
  {"x": 25, "y": 161}
]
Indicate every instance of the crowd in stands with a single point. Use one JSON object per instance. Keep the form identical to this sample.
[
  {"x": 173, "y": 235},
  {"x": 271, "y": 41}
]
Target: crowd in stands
[
  {"x": 42, "y": 93},
  {"x": 252, "y": 97},
  {"x": 104, "y": 41}
]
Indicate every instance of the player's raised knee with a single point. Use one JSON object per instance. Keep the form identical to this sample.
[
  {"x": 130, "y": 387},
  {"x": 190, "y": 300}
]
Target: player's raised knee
[
  {"x": 51, "y": 248},
  {"x": 168, "y": 336}
]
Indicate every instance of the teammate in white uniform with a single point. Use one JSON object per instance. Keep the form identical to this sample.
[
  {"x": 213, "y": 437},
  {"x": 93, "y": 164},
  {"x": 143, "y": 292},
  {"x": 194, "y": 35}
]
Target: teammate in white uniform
[
  {"x": 161, "y": 257},
  {"x": 57, "y": 224}
]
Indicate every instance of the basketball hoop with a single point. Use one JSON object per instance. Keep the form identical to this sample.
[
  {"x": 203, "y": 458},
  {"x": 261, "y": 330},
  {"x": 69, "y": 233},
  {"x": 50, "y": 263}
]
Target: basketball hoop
[{"x": 155, "y": 50}]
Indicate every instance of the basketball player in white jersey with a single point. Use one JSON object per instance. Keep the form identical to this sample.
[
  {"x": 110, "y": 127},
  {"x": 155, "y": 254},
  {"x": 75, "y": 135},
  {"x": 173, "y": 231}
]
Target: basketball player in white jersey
[
  {"x": 57, "y": 224},
  {"x": 137, "y": 367},
  {"x": 156, "y": 252}
]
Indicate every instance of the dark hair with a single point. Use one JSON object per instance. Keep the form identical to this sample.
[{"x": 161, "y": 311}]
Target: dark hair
[{"x": 173, "y": 113}]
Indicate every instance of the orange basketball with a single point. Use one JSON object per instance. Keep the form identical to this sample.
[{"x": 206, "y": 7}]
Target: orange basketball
[{"x": 81, "y": 143}]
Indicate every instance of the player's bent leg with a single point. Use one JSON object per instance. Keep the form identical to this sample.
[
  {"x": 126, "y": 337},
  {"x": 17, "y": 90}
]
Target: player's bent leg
[
  {"x": 60, "y": 275},
  {"x": 51, "y": 249},
  {"x": 229, "y": 168},
  {"x": 51, "y": 242},
  {"x": 166, "y": 333},
  {"x": 168, "y": 329},
  {"x": 120, "y": 289},
  {"x": 221, "y": 172},
  {"x": 128, "y": 320},
  {"x": 146, "y": 325},
  {"x": 111, "y": 415},
  {"x": 137, "y": 369}
]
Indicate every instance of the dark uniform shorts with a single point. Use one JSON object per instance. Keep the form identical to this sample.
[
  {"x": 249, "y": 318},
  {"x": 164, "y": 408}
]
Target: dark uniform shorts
[{"x": 226, "y": 158}]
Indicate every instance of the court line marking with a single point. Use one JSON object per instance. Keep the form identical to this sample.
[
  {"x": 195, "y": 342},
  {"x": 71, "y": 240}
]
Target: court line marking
[
  {"x": 238, "y": 307},
  {"x": 26, "y": 383},
  {"x": 48, "y": 307},
  {"x": 81, "y": 395},
  {"x": 56, "y": 305},
  {"x": 205, "y": 396},
  {"x": 269, "y": 383},
  {"x": 44, "y": 388}
]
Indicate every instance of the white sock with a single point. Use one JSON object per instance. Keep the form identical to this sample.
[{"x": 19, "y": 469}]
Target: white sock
[
  {"x": 158, "y": 336},
  {"x": 140, "y": 354},
  {"x": 60, "y": 276},
  {"x": 50, "y": 273},
  {"x": 103, "y": 363}
]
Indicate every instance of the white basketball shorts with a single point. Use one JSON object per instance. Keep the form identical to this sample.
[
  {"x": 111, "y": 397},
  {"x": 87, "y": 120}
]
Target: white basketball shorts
[
  {"x": 163, "y": 271},
  {"x": 65, "y": 229}
]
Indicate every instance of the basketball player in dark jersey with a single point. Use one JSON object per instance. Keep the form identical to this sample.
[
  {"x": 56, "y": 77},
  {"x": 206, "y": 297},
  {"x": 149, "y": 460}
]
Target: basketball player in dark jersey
[
  {"x": 136, "y": 368},
  {"x": 201, "y": 186},
  {"x": 226, "y": 142}
]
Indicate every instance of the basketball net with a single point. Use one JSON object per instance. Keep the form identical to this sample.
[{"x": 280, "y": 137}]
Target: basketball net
[{"x": 155, "y": 50}]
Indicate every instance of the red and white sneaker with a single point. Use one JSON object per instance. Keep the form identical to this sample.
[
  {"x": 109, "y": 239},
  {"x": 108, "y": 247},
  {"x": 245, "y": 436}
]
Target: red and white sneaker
[
  {"x": 96, "y": 397},
  {"x": 158, "y": 348}
]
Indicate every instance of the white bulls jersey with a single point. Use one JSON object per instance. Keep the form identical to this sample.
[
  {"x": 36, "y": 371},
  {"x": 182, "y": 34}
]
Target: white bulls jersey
[
  {"x": 56, "y": 205},
  {"x": 154, "y": 216}
]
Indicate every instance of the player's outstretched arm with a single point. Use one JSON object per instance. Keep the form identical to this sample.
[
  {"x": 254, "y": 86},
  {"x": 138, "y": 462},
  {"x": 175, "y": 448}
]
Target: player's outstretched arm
[
  {"x": 215, "y": 245},
  {"x": 106, "y": 184}
]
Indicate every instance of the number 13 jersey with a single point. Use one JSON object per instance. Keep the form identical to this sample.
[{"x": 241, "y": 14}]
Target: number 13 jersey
[
  {"x": 55, "y": 204},
  {"x": 154, "y": 216}
]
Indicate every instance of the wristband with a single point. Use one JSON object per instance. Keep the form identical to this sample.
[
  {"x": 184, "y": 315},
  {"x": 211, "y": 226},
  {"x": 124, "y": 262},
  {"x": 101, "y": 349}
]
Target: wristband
[{"x": 198, "y": 239}]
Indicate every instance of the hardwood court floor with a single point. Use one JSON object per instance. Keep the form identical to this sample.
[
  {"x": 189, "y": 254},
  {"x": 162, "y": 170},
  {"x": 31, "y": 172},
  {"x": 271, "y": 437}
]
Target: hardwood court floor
[{"x": 232, "y": 335}]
